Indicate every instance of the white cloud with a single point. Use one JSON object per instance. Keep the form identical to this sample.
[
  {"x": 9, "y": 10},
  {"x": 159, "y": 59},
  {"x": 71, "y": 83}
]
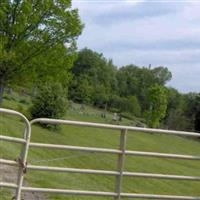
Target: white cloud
[
  {"x": 134, "y": 33},
  {"x": 98, "y": 7}
]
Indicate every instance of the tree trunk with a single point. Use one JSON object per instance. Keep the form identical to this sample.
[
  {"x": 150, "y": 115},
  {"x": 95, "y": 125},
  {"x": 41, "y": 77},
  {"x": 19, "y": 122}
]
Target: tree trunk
[{"x": 2, "y": 86}]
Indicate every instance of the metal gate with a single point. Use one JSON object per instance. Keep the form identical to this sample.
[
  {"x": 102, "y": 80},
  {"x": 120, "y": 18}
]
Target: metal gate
[{"x": 117, "y": 194}]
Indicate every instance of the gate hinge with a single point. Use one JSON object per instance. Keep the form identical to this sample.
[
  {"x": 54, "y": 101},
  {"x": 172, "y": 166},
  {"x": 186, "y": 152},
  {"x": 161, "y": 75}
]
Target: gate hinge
[{"x": 22, "y": 165}]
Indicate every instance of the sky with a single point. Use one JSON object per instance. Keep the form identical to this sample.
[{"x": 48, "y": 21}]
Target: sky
[{"x": 142, "y": 32}]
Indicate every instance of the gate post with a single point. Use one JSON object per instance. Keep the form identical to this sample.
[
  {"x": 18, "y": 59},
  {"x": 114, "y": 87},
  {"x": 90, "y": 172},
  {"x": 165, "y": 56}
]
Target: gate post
[{"x": 120, "y": 164}]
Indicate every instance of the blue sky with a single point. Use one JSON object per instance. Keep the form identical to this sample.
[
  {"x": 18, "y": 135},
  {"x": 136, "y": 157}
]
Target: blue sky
[{"x": 143, "y": 32}]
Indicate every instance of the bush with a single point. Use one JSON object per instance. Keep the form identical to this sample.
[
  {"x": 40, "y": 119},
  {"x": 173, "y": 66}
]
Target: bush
[
  {"x": 23, "y": 101},
  {"x": 50, "y": 102},
  {"x": 9, "y": 97}
]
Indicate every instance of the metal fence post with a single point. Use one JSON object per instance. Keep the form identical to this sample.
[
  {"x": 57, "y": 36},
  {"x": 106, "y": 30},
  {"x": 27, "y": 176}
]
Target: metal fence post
[
  {"x": 22, "y": 161},
  {"x": 120, "y": 164}
]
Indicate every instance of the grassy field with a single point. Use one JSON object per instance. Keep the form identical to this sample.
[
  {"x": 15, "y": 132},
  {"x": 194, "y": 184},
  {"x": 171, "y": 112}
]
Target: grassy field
[{"x": 99, "y": 138}]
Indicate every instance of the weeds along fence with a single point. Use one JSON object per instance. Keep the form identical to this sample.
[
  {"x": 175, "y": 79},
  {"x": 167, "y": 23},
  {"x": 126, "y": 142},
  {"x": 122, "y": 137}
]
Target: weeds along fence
[{"x": 117, "y": 194}]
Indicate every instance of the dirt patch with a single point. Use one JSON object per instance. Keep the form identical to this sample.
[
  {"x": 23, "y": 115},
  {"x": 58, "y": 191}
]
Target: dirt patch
[{"x": 8, "y": 174}]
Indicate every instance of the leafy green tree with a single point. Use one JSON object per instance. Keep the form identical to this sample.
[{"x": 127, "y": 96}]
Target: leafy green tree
[
  {"x": 130, "y": 105},
  {"x": 128, "y": 80},
  {"x": 96, "y": 74},
  {"x": 133, "y": 80},
  {"x": 81, "y": 90},
  {"x": 192, "y": 110},
  {"x": 135, "y": 108},
  {"x": 100, "y": 96},
  {"x": 175, "y": 118},
  {"x": 53, "y": 65},
  {"x": 30, "y": 28},
  {"x": 182, "y": 111},
  {"x": 197, "y": 114},
  {"x": 157, "y": 98},
  {"x": 50, "y": 101},
  {"x": 197, "y": 121},
  {"x": 162, "y": 75},
  {"x": 115, "y": 102}
]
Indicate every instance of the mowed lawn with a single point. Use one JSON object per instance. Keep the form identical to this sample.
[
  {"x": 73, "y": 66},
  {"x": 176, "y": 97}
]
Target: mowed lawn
[{"x": 92, "y": 137}]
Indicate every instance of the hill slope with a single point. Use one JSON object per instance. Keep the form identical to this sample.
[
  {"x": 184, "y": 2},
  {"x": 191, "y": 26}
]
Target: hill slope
[{"x": 109, "y": 139}]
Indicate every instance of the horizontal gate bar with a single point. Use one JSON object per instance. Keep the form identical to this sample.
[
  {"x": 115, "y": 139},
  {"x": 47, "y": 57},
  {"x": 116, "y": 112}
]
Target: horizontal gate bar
[
  {"x": 103, "y": 172},
  {"x": 69, "y": 192},
  {"x": 97, "y": 193},
  {"x": 116, "y": 127},
  {"x": 12, "y": 139},
  {"x": 113, "y": 173},
  {"x": 73, "y": 170},
  {"x": 76, "y": 148},
  {"x": 162, "y": 155},
  {"x": 8, "y": 162},
  {"x": 13, "y": 112},
  {"x": 107, "y": 194},
  {"x": 8, "y": 185},
  {"x": 162, "y": 176},
  {"x": 115, "y": 151},
  {"x": 153, "y": 196}
]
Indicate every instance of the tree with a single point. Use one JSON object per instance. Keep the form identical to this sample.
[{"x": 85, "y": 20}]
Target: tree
[
  {"x": 192, "y": 110},
  {"x": 175, "y": 111},
  {"x": 157, "y": 98},
  {"x": 98, "y": 76},
  {"x": 128, "y": 80},
  {"x": 50, "y": 101},
  {"x": 197, "y": 121},
  {"x": 53, "y": 65},
  {"x": 100, "y": 96},
  {"x": 81, "y": 90},
  {"x": 176, "y": 120},
  {"x": 197, "y": 114},
  {"x": 29, "y": 29},
  {"x": 130, "y": 105},
  {"x": 162, "y": 75}
]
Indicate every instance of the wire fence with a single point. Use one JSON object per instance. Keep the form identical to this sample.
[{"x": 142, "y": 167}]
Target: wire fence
[{"x": 117, "y": 194}]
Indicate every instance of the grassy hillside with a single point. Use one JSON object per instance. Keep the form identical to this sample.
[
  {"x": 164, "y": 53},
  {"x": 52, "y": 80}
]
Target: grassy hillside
[{"x": 100, "y": 138}]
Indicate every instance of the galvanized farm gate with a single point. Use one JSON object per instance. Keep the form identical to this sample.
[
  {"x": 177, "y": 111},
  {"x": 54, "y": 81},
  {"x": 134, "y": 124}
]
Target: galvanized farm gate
[{"x": 117, "y": 194}]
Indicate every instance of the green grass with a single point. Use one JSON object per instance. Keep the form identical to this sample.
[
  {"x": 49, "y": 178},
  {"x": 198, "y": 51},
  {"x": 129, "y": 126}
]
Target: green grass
[
  {"x": 5, "y": 194},
  {"x": 92, "y": 137}
]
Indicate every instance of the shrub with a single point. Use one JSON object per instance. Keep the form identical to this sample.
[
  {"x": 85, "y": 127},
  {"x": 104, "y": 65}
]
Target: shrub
[
  {"x": 23, "y": 101},
  {"x": 49, "y": 102},
  {"x": 9, "y": 97}
]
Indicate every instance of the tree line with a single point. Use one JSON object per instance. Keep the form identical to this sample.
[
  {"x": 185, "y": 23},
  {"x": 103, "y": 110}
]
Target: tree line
[
  {"x": 133, "y": 91},
  {"x": 38, "y": 51}
]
